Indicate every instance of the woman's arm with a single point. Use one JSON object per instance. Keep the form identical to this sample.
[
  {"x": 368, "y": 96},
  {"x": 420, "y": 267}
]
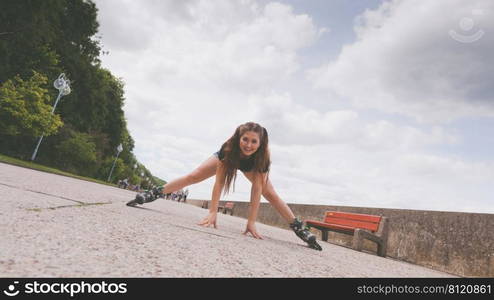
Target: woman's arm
[
  {"x": 255, "y": 200},
  {"x": 219, "y": 183}
]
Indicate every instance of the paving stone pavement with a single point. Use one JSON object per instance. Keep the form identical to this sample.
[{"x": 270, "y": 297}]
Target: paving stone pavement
[{"x": 56, "y": 226}]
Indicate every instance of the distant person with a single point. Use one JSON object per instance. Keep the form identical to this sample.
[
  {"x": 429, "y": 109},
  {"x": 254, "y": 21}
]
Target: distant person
[
  {"x": 247, "y": 150},
  {"x": 186, "y": 193}
]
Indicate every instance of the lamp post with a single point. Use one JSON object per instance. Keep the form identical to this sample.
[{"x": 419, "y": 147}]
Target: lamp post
[
  {"x": 119, "y": 149},
  {"x": 63, "y": 86},
  {"x": 142, "y": 180}
]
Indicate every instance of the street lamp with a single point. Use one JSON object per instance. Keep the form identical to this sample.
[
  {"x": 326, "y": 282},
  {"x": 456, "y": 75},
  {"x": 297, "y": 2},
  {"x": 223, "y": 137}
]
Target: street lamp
[
  {"x": 63, "y": 86},
  {"x": 119, "y": 149}
]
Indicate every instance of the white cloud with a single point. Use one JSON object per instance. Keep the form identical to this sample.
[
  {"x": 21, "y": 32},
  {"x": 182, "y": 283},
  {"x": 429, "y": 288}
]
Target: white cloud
[
  {"x": 231, "y": 44},
  {"x": 405, "y": 61},
  {"x": 208, "y": 56},
  {"x": 344, "y": 175},
  {"x": 292, "y": 123}
]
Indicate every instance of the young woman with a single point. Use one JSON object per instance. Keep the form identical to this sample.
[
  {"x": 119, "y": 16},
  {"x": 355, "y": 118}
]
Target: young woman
[{"x": 247, "y": 150}]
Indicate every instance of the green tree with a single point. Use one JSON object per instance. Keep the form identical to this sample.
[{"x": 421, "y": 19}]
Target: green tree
[
  {"x": 51, "y": 37},
  {"x": 25, "y": 108},
  {"x": 118, "y": 171},
  {"x": 78, "y": 154},
  {"x": 45, "y": 35}
]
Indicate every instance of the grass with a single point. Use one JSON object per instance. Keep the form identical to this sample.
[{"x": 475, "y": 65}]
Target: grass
[{"x": 35, "y": 166}]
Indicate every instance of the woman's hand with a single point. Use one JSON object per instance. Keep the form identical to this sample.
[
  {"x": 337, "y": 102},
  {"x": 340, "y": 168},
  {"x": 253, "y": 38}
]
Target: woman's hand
[
  {"x": 209, "y": 220},
  {"x": 251, "y": 227}
]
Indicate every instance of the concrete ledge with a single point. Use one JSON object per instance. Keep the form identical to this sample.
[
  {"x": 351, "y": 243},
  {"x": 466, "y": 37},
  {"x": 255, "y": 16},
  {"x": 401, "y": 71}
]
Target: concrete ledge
[{"x": 453, "y": 242}]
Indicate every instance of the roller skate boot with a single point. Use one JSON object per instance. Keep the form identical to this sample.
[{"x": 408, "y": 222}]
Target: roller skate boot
[
  {"x": 142, "y": 198},
  {"x": 303, "y": 233}
]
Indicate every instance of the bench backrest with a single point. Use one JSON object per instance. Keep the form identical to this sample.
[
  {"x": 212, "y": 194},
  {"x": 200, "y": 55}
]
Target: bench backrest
[
  {"x": 369, "y": 222},
  {"x": 229, "y": 205}
]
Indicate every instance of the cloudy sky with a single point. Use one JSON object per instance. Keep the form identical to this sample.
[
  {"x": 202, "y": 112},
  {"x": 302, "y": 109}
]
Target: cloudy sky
[{"x": 367, "y": 103}]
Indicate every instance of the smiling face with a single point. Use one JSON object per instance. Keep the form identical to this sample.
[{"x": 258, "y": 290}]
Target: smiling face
[{"x": 249, "y": 143}]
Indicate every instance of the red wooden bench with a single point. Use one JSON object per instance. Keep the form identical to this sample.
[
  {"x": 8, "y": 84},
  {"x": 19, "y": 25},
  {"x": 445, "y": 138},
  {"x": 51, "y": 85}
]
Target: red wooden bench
[{"x": 361, "y": 226}]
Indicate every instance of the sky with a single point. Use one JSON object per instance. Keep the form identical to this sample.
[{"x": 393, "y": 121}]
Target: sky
[{"x": 372, "y": 103}]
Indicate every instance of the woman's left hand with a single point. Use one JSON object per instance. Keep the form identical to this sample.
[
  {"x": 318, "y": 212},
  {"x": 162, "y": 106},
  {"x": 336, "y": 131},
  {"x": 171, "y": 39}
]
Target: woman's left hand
[
  {"x": 209, "y": 220},
  {"x": 251, "y": 227}
]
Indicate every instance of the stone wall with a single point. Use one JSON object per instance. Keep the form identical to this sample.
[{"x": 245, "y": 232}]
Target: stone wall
[{"x": 452, "y": 242}]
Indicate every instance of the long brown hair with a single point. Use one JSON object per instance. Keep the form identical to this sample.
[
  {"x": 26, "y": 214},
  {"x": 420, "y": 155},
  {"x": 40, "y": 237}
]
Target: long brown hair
[{"x": 231, "y": 150}]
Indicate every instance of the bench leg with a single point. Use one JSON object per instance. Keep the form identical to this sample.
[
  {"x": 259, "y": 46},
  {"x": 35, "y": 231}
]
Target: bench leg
[
  {"x": 324, "y": 235},
  {"x": 357, "y": 240},
  {"x": 381, "y": 249}
]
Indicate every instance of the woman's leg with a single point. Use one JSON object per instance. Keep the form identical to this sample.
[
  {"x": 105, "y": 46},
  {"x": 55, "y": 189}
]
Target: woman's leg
[
  {"x": 270, "y": 194},
  {"x": 295, "y": 224},
  {"x": 203, "y": 172}
]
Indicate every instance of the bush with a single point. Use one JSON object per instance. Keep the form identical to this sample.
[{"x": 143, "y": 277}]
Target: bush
[
  {"x": 78, "y": 154},
  {"x": 25, "y": 108},
  {"x": 118, "y": 170}
]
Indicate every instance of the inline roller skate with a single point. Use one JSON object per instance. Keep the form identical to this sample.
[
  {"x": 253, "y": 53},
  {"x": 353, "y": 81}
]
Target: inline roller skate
[
  {"x": 147, "y": 196},
  {"x": 303, "y": 232}
]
